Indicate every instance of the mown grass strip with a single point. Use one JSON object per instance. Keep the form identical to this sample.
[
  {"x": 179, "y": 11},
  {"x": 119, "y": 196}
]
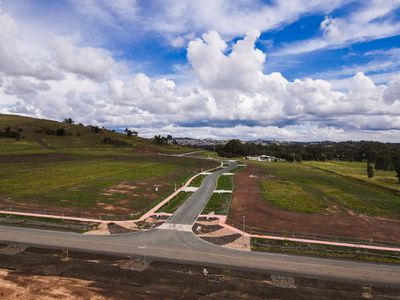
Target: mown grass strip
[
  {"x": 218, "y": 203},
  {"x": 225, "y": 182},
  {"x": 175, "y": 202},
  {"x": 290, "y": 247},
  {"x": 198, "y": 181}
]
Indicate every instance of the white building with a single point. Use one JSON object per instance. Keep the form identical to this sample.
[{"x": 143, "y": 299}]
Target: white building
[{"x": 263, "y": 158}]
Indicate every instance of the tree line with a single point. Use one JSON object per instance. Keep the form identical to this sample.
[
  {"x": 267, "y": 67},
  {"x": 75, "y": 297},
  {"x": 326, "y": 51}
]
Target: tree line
[{"x": 383, "y": 155}]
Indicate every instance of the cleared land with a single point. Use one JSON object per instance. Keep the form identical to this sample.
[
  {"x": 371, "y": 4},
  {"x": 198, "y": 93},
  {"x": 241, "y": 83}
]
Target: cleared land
[
  {"x": 358, "y": 170},
  {"x": 82, "y": 171},
  {"x": 298, "y": 198},
  {"x": 43, "y": 274}
]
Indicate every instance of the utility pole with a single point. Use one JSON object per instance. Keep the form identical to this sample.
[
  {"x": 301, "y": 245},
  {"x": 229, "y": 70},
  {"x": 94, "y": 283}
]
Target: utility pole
[{"x": 244, "y": 230}]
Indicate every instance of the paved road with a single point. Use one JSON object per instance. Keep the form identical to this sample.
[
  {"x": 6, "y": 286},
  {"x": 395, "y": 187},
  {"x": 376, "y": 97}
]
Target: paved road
[
  {"x": 184, "y": 246},
  {"x": 187, "y": 213}
]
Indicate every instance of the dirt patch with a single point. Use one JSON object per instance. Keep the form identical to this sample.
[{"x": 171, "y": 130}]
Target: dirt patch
[{"x": 247, "y": 200}]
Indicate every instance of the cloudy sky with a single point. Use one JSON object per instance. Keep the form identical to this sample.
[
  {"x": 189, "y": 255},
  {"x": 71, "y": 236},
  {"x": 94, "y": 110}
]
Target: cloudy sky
[{"x": 292, "y": 70}]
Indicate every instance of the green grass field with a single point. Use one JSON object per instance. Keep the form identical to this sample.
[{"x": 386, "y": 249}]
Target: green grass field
[
  {"x": 79, "y": 172},
  {"x": 358, "y": 170},
  {"x": 174, "y": 203},
  {"x": 218, "y": 203},
  {"x": 96, "y": 183},
  {"x": 225, "y": 182},
  {"x": 299, "y": 187}
]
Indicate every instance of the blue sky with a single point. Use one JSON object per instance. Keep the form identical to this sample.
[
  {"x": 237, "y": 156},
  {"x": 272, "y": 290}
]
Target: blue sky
[{"x": 297, "y": 69}]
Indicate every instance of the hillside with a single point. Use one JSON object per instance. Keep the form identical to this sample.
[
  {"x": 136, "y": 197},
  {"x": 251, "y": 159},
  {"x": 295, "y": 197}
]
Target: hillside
[{"x": 19, "y": 134}]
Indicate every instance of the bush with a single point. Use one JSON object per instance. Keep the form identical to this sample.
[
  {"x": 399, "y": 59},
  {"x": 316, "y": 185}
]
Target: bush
[
  {"x": 60, "y": 132},
  {"x": 8, "y": 133},
  {"x": 370, "y": 170}
]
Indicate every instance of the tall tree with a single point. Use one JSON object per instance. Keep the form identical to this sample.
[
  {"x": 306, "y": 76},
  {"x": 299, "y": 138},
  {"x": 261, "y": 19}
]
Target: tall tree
[
  {"x": 370, "y": 170},
  {"x": 397, "y": 169}
]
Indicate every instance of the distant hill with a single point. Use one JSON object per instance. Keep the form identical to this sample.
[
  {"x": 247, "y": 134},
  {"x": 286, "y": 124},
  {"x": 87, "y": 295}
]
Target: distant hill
[{"x": 26, "y": 134}]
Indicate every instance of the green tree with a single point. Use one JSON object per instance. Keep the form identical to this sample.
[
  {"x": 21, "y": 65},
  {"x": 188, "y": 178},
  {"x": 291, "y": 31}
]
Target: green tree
[
  {"x": 60, "y": 132},
  {"x": 128, "y": 132},
  {"x": 370, "y": 170},
  {"x": 397, "y": 169},
  {"x": 69, "y": 121}
]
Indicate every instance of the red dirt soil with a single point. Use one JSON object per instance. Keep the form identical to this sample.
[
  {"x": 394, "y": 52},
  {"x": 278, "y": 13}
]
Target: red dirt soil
[{"x": 248, "y": 201}]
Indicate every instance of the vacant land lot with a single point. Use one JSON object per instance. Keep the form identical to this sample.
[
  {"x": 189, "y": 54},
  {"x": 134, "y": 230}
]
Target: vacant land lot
[
  {"x": 225, "y": 182},
  {"x": 91, "y": 180},
  {"x": 358, "y": 170},
  {"x": 218, "y": 203},
  {"x": 298, "y": 198}
]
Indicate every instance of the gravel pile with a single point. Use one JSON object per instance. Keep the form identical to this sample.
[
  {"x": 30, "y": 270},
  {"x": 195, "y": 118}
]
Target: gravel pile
[
  {"x": 148, "y": 225},
  {"x": 202, "y": 229},
  {"x": 283, "y": 282},
  {"x": 12, "y": 249},
  {"x": 116, "y": 229},
  {"x": 223, "y": 240},
  {"x": 138, "y": 265}
]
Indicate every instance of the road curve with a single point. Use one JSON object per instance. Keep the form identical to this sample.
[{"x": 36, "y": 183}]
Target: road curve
[{"x": 183, "y": 246}]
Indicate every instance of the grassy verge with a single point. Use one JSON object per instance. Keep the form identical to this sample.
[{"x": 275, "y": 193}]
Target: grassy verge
[
  {"x": 47, "y": 223},
  {"x": 225, "y": 182},
  {"x": 237, "y": 169},
  {"x": 197, "y": 181},
  {"x": 218, "y": 203},
  {"x": 175, "y": 202},
  {"x": 290, "y": 247},
  {"x": 297, "y": 187}
]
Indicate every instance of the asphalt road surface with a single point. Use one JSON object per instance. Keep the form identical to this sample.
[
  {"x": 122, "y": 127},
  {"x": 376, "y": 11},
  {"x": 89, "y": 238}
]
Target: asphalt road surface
[{"x": 183, "y": 246}]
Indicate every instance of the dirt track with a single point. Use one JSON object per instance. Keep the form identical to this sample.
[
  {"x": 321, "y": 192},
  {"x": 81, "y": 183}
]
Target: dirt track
[
  {"x": 42, "y": 274},
  {"x": 248, "y": 201}
]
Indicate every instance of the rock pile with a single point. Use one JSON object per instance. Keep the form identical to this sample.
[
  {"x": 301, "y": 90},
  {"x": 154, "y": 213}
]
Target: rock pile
[
  {"x": 138, "y": 265},
  {"x": 12, "y": 249}
]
